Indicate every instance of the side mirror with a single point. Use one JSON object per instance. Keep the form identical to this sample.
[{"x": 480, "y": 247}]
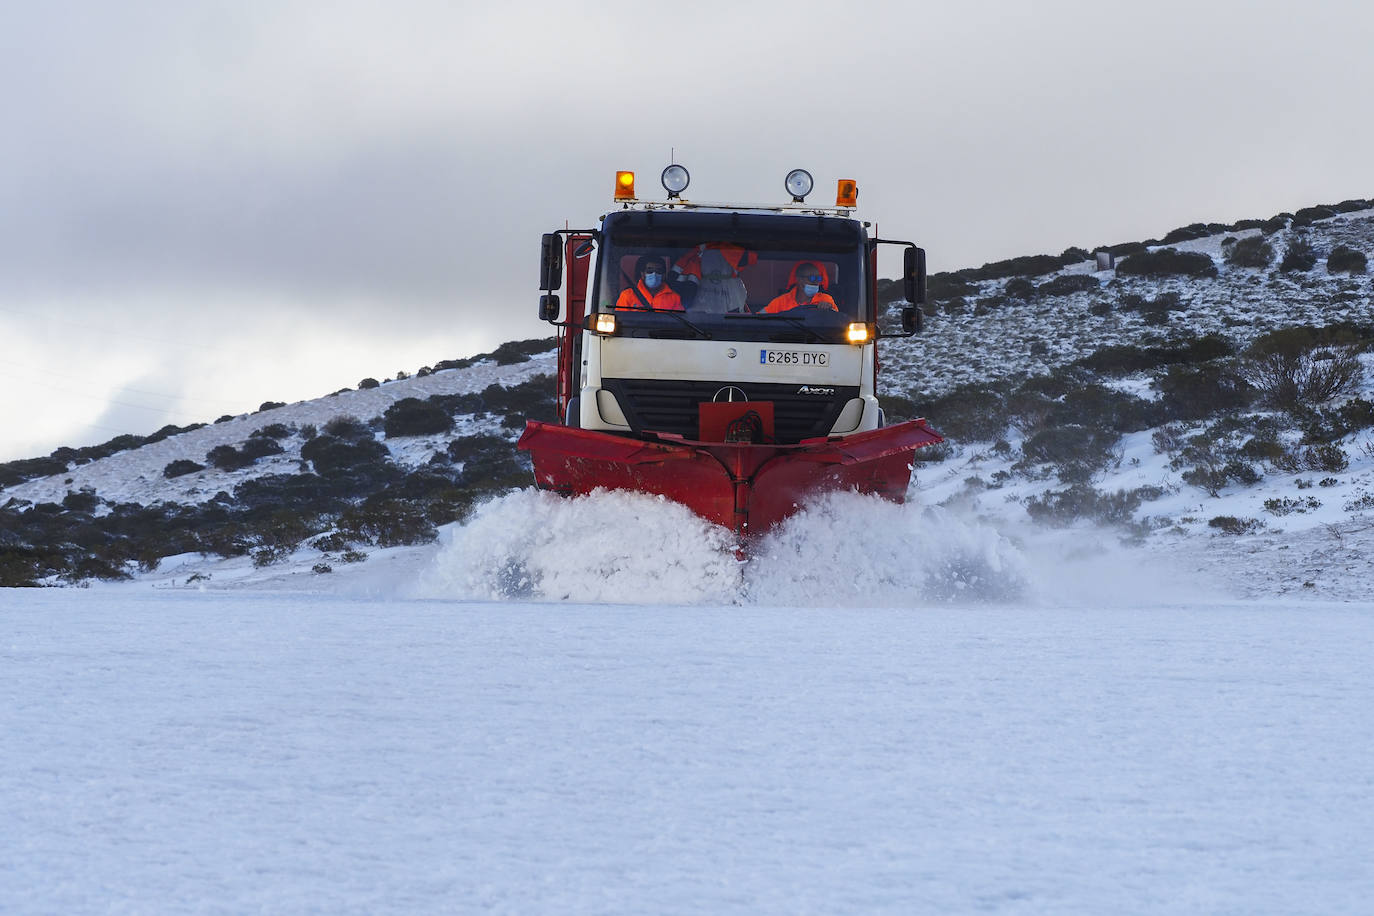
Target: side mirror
[
  {"x": 549, "y": 307},
  {"x": 914, "y": 278},
  {"x": 911, "y": 320},
  {"x": 551, "y": 262}
]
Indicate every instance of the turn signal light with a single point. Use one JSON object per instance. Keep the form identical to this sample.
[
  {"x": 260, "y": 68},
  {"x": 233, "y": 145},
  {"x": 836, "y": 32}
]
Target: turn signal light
[
  {"x": 846, "y": 193},
  {"x": 605, "y": 323},
  {"x": 624, "y": 185},
  {"x": 858, "y": 333}
]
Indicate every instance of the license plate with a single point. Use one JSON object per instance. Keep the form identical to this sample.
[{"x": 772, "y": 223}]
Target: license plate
[{"x": 793, "y": 358}]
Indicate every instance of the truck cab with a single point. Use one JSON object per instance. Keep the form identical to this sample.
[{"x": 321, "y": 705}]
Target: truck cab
[{"x": 741, "y": 333}]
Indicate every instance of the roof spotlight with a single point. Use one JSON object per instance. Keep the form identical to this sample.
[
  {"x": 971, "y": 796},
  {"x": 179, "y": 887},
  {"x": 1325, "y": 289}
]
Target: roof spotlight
[
  {"x": 675, "y": 180},
  {"x": 798, "y": 184}
]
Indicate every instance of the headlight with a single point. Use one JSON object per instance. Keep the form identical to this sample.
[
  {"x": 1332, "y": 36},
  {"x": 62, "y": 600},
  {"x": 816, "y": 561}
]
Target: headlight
[
  {"x": 675, "y": 180},
  {"x": 604, "y": 324},
  {"x": 798, "y": 184},
  {"x": 858, "y": 333}
]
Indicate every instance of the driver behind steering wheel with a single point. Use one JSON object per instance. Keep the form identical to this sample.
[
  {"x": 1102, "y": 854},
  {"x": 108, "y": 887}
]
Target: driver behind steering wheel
[{"x": 806, "y": 285}]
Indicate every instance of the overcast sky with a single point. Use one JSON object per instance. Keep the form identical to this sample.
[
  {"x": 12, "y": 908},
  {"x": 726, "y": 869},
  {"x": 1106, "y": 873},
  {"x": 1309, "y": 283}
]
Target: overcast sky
[{"x": 208, "y": 205}]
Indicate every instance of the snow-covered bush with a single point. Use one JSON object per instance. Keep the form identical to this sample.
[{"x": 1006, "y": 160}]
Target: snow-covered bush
[
  {"x": 1299, "y": 257},
  {"x": 1167, "y": 262},
  {"x": 943, "y": 288},
  {"x": 1193, "y": 231},
  {"x": 1252, "y": 252},
  {"x": 13, "y": 472},
  {"x": 346, "y": 427},
  {"x": 1346, "y": 260},
  {"x": 278, "y": 536},
  {"x": 1076, "y": 452},
  {"x": 388, "y": 522},
  {"x": 533, "y": 398},
  {"x": 1028, "y": 266},
  {"x": 1069, "y": 284},
  {"x": 1126, "y": 359},
  {"x": 181, "y": 467},
  {"x": 271, "y": 431},
  {"x": 968, "y": 413},
  {"x": 227, "y": 458},
  {"x": 1200, "y": 391},
  {"x": 329, "y": 454},
  {"x": 414, "y": 417},
  {"x": 520, "y": 351},
  {"x": 1276, "y": 223},
  {"x": 1020, "y": 288}
]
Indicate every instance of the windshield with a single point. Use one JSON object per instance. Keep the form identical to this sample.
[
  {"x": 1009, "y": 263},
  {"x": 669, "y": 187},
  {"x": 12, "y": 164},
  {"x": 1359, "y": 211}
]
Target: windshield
[{"x": 732, "y": 276}]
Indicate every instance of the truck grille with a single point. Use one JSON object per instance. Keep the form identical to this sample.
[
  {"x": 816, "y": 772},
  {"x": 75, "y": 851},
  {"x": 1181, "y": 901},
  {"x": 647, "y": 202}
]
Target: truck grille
[{"x": 654, "y": 405}]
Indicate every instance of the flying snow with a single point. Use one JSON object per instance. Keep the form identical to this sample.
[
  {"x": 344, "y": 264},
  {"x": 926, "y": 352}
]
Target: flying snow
[{"x": 841, "y": 549}]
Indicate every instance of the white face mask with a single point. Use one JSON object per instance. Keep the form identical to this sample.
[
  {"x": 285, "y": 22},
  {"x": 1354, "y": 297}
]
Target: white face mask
[
  {"x": 810, "y": 289},
  {"x": 653, "y": 280}
]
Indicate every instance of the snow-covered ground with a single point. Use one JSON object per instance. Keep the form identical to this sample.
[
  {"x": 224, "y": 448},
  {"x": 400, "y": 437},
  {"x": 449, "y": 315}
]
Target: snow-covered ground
[{"x": 234, "y": 751}]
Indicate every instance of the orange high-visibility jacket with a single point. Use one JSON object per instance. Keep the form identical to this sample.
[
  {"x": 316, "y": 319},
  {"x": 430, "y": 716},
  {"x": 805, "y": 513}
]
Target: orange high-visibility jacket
[
  {"x": 788, "y": 300},
  {"x": 689, "y": 265},
  {"x": 665, "y": 298}
]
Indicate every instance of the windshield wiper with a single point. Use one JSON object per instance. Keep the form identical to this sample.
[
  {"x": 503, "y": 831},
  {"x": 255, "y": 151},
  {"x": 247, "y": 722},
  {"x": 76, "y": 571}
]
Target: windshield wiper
[
  {"x": 798, "y": 323},
  {"x": 683, "y": 318}
]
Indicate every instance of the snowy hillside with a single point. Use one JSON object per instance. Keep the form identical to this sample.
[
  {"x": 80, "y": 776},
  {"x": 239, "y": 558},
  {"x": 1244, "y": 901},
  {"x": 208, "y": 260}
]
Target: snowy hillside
[{"x": 1074, "y": 399}]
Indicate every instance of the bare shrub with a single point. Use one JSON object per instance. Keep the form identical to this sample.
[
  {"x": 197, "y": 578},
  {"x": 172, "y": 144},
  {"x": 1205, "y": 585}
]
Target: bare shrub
[
  {"x": 1167, "y": 438},
  {"x": 1328, "y": 458},
  {"x": 1229, "y": 524},
  {"x": 1081, "y": 501},
  {"x": 1284, "y": 505},
  {"x": 1296, "y": 383}
]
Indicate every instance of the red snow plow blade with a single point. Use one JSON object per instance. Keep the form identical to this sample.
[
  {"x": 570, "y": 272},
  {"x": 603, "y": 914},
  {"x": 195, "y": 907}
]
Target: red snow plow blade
[{"x": 746, "y": 487}]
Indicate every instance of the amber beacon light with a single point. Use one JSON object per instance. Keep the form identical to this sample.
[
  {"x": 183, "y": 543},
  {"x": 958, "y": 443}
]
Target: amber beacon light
[
  {"x": 846, "y": 193},
  {"x": 624, "y": 185}
]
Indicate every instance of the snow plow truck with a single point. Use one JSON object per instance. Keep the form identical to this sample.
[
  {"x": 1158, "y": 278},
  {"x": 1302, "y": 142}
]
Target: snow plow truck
[{"x": 723, "y": 356}]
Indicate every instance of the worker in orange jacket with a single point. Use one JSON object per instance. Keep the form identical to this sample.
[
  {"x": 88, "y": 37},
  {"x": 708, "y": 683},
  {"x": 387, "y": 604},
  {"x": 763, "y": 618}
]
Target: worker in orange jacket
[
  {"x": 650, "y": 292},
  {"x": 805, "y": 286}
]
